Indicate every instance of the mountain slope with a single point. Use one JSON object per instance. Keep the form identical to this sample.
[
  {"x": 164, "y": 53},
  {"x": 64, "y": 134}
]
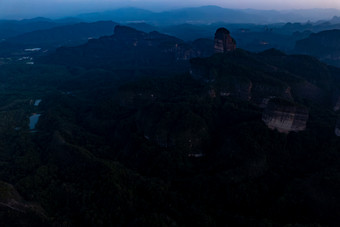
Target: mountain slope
[
  {"x": 65, "y": 35},
  {"x": 243, "y": 139},
  {"x": 52, "y": 38},
  {"x": 130, "y": 48},
  {"x": 323, "y": 45}
]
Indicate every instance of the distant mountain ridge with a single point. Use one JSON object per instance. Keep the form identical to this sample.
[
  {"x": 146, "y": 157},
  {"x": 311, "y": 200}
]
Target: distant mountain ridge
[
  {"x": 47, "y": 40},
  {"x": 10, "y": 28},
  {"x": 74, "y": 34},
  {"x": 200, "y": 15},
  {"x": 210, "y": 14}
]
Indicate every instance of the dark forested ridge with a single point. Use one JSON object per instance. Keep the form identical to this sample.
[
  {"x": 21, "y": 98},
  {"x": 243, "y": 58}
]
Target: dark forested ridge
[
  {"x": 67, "y": 35},
  {"x": 129, "y": 48},
  {"x": 324, "y": 45},
  {"x": 158, "y": 132}
]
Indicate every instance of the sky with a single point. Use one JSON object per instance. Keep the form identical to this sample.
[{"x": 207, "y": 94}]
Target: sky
[{"x": 59, "y": 8}]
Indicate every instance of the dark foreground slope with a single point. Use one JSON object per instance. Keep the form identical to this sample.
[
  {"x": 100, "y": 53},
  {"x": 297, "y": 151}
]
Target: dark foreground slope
[{"x": 134, "y": 147}]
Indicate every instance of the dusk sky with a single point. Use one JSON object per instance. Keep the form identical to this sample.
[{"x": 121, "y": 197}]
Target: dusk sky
[{"x": 55, "y": 8}]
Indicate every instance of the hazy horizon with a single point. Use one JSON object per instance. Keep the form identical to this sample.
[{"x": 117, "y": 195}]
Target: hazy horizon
[{"x": 21, "y": 9}]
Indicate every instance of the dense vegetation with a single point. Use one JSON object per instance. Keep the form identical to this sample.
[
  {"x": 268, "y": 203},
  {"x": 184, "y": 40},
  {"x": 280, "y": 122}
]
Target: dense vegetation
[
  {"x": 324, "y": 45},
  {"x": 141, "y": 147}
]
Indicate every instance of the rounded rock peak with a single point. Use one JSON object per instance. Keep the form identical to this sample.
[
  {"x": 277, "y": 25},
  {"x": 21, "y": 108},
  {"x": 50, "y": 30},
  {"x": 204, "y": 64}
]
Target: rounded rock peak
[
  {"x": 223, "y": 41},
  {"x": 222, "y": 31}
]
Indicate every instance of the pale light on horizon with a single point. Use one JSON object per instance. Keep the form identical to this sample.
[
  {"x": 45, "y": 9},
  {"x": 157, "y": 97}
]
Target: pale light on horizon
[{"x": 59, "y": 8}]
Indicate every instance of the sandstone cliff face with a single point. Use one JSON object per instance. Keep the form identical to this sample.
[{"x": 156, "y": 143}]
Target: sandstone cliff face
[
  {"x": 223, "y": 42},
  {"x": 285, "y": 116}
]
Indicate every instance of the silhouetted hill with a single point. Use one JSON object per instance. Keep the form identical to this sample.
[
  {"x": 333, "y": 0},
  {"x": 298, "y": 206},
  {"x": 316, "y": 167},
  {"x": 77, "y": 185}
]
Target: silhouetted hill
[
  {"x": 48, "y": 40},
  {"x": 323, "y": 45},
  {"x": 250, "y": 36},
  {"x": 69, "y": 35},
  {"x": 143, "y": 27},
  {"x": 131, "y": 48},
  {"x": 268, "y": 74},
  {"x": 13, "y": 28}
]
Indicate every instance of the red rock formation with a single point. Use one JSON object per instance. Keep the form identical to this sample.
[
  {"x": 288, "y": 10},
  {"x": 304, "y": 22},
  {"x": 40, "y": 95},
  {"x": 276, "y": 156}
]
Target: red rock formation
[
  {"x": 285, "y": 116},
  {"x": 223, "y": 41}
]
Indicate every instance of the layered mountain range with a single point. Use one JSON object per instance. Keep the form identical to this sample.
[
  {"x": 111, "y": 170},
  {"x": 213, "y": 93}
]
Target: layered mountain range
[
  {"x": 258, "y": 78},
  {"x": 47, "y": 34},
  {"x": 210, "y": 14},
  {"x": 267, "y": 76},
  {"x": 128, "y": 47},
  {"x": 145, "y": 129}
]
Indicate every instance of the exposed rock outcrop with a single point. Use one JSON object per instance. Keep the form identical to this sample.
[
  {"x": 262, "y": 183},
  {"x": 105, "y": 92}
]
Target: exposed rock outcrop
[
  {"x": 223, "y": 41},
  {"x": 285, "y": 116}
]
